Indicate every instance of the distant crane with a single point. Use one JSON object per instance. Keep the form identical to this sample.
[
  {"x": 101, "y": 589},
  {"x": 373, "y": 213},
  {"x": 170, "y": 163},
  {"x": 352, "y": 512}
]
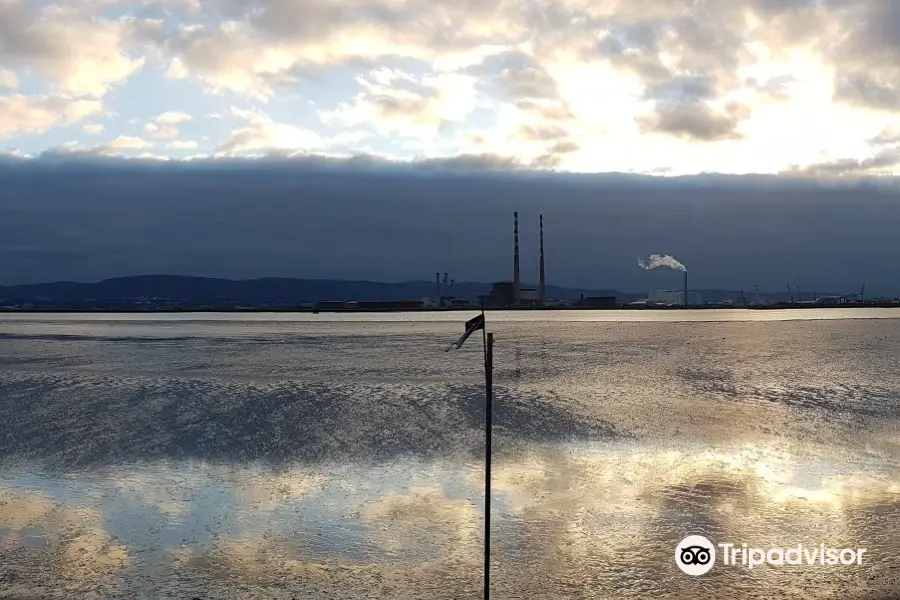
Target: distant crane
[
  {"x": 799, "y": 297},
  {"x": 790, "y": 293},
  {"x": 862, "y": 292}
]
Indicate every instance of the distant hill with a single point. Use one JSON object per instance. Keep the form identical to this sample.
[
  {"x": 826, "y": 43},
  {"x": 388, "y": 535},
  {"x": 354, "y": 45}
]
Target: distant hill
[{"x": 204, "y": 290}]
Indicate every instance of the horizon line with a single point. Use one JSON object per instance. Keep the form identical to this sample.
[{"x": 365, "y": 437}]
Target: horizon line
[{"x": 366, "y": 281}]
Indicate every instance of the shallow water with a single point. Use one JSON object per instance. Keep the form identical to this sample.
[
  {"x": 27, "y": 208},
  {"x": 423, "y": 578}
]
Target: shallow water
[{"x": 340, "y": 456}]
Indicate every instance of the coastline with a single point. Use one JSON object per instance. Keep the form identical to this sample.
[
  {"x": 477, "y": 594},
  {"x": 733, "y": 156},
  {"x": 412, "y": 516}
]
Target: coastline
[{"x": 448, "y": 309}]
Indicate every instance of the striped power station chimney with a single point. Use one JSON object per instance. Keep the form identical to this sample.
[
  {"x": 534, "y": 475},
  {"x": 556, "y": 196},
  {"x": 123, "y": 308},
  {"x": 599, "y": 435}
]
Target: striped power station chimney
[
  {"x": 517, "y": 283},
  {"x": 543, "y": 284}
]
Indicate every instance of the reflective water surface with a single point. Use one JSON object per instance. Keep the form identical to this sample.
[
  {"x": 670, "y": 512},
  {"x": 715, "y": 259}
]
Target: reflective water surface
[{"x": 325, "y": 456}]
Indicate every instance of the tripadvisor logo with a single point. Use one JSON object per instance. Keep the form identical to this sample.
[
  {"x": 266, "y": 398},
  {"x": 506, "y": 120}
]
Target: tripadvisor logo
[{"x": 696, "y": 555}]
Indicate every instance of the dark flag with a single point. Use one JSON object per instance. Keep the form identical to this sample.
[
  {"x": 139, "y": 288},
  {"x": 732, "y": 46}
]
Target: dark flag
[{"x": 472, "y": 325}]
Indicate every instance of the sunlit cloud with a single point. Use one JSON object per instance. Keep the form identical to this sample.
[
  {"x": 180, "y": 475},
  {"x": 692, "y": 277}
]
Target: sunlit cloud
[
  {"x": 127, "y": 142},
  {"x": 439, "y": 80},
  {"x": 21, "y": 114},
  {"x": 173, "y": 117},
  {"x": 183, "y": 145}
]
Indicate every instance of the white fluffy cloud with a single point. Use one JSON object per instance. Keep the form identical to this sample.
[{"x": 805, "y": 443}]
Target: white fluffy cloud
[
  {"x": 260, "y": 134},
  {"x": 173, "y": 117},
  {"x": 82, "y": 53},
  {"x": 39, "y": 113},
  {"x": 160, "y": 133},
  {"x": 127, "y": 142},
  {"x": 183, "y": 145},
  {"x": 393, "y": 101}
]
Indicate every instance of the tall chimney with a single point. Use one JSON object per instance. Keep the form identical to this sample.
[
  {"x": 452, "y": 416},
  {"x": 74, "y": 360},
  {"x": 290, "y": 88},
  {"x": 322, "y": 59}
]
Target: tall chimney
[
  {"x": 446, "y": 282},
  {"x": 516, "y": 281},
  {"x": 685, "y": 288},
  {"x": 543, "y": 284},
  {"x": 437, "y": 287}
]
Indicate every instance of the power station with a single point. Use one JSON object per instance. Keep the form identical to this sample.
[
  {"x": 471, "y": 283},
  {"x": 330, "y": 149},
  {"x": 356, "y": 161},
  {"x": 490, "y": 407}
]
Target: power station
[{"x": 514, "y": 293}]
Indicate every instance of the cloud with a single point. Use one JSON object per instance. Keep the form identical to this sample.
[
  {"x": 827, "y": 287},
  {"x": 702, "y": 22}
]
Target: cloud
[
  {"x": 268, "y": 137},
  {"x": 39, "y": 113},
  {"x": 394, "y": 101},
  {"x": 262, "y": 46},
  {"x": 777, "y": 87},
  {"x": 529, "y": 82},
  {"x": 160, "y": 133},
  {"x": 231, "y": 57},
  {"x": 564, "y": 147},
  {"x": 603, "y": 217},
  {"x": 428, "y": 78},
  {"x": 552, "y": 158},
  {"x": 261, "y": 134},
  {"x": 550, "y": 111},
  {"x": 541, "y": 133},
  {"x": 888, "y": 135},
  {"x": 865, "y": 90},
  {"x": 8, "y": 79},
  {"x": 182, "y": 145},
  {"x": 683, "y": 88},
  {"x": 127, "y": 142},
  {"x": 472, "y": 162},
  {"x": 693, "y": 120},
  {"x": 173, "y": 118},
  {"x": 866, "y": 49},
  {"x": 885, "y": 162},
  {"x": 186, "y": 6},
  {"x": 83, "y": 54},
  {"x": 93, "y": 128}
]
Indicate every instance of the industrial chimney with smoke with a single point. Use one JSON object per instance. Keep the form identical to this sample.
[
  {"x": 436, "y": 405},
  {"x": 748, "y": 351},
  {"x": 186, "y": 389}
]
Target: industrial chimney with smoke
[{"x": 685, "y": 288}]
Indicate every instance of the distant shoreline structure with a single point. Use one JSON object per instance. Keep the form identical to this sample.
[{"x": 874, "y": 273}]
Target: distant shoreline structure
[
  {"x": 177, "y": 293},
  {"x": 624, "y": 308}
]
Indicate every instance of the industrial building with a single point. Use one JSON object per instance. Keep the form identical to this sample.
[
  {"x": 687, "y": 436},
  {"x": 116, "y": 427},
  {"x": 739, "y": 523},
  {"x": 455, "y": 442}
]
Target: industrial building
[
  {"x": 444, "y": 294},
  {"x": 674, "y": 297}
]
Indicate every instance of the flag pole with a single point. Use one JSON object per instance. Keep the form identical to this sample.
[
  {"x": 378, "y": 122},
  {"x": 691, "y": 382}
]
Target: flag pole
[{"x": 488, "y": 340}]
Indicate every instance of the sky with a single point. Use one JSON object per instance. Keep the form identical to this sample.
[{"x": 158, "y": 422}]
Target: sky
[
  {"x": 649, "y": 86},
  {"x": 189, "y": 90}
]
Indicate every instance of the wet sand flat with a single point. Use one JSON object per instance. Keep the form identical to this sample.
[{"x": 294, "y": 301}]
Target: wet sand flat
[{"x": 338, "y": 456}]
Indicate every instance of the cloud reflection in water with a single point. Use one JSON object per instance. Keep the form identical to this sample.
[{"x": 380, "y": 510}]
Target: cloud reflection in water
[{"x": 614, "y": 441}]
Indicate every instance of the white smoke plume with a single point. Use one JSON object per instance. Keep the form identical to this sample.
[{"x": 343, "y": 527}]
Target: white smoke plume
[{"x": 656, "y": 261}]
